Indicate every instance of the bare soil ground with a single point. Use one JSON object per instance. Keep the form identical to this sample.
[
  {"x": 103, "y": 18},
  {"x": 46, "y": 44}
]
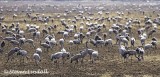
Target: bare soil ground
[{"x": 110, "y": 63}]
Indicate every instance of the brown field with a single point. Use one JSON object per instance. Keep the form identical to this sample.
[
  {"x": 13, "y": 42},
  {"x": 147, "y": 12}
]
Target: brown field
[{"x": 110, "y": 63}]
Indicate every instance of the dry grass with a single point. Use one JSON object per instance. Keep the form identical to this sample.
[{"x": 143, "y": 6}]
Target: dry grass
[{"x": 110, "y": 63}]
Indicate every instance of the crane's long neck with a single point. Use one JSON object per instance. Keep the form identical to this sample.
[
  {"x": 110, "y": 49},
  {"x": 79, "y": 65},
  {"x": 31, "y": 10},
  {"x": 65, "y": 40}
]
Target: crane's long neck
[{"x": 87, "y": 45}]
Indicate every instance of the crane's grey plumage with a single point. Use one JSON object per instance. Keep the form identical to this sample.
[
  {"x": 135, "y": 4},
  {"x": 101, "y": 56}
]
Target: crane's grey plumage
[
  {"x": 14, "y": 42},
  {"x": 21, "y": 41},
  {"x": 36, "y": 34},
  {"x": 10, "y": 33},
  {"x": 30, "y": 41},
  {"x": 11, "y": 52},
  {"x": 23, "y": 54},
  {"x": 32, "y": 29},
  {"x": 2, "y": 44},
  {"x": 122, "y": 51},
  {"x": 9, "y": 38},
  {"x": 61, "y": 42},
  {"x": 76, "y": 57},
  {"x": 94, "y": 55},
  {"x": 133, "y": 41},
  {"x": 59, "y": 55},
  {"x": 39, "y": 51},
  {"x": 37, "y": 58},
  {"x": 140, "y": 52},
  {"x": 108, "y": 42},
  {"x": 45, "y": 45}
]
